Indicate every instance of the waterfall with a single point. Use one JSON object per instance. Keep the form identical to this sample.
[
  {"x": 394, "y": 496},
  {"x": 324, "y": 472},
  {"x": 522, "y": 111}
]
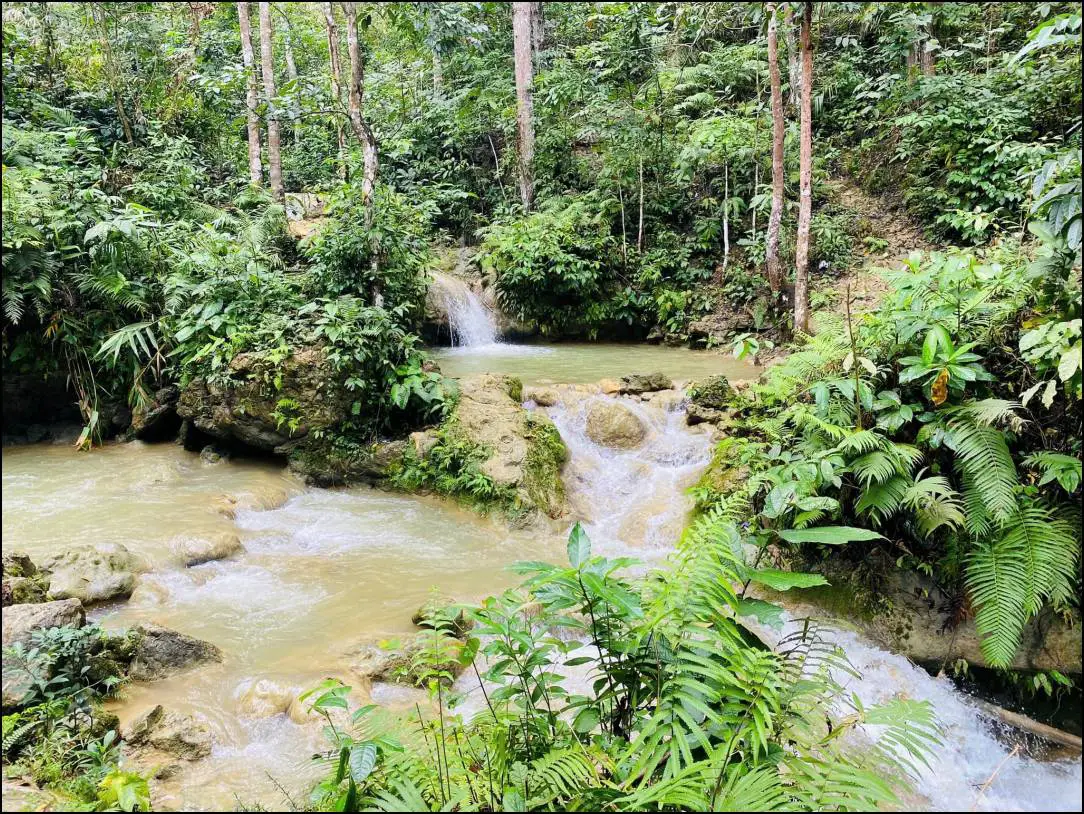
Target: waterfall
[{"x": 471, "y": 322}]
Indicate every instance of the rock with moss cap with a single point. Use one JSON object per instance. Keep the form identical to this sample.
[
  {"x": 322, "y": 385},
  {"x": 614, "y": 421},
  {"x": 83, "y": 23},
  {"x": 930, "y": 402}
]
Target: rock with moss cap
[
  {"x": 638, "y": 383},
  {"x": 23, "y": 583},
  {"x": 708, "y": 400},
  {"x": 522, "y": 451}
]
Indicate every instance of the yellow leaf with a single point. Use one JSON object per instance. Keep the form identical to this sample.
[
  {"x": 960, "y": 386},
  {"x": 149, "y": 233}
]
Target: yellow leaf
[{"x": 939, "y": 388}]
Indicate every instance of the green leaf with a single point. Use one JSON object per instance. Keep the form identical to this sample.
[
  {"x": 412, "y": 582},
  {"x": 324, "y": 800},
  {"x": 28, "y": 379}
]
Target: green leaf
[
  {"x": 785, "y": 580},
  {"x": 362, "y": 761},
  {"x": 829, "y": 535},
  {"x": 586, "y": 720},
  {"x": 579, "y": 546},
  {"x": 767, "y": 613}
]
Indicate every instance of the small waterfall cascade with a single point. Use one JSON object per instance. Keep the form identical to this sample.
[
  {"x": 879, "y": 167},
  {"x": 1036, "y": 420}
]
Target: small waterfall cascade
[
  {"x": 471, "y": 322},
  {"x": 632, "y": 501}
]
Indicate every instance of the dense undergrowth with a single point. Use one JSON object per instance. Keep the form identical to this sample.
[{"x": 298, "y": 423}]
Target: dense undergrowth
[{"x": 685, "y": 709}]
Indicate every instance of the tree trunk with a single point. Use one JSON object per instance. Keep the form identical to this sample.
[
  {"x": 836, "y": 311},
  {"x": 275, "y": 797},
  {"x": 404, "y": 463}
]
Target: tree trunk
[
  {"x": 726, "y": 215},
  {"x": 113, "y": 72},
  {"x": 794, "y": 65},
  {"x": 291, "y": 69},
  {"x": 267, "y": 65},
  {"x": 255, "y": 168},
  {"x": 335, "y": 65},
  {"x": 805, "y": 199},
  {"x": 775, "y": 219},
  {"x": 361, "y": 127},
  {"x": 521, "y": 32},
  {"x": 538, "y": 33}
]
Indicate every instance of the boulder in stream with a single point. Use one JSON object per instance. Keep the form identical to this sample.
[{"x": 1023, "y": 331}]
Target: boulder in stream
[
  {"x": 158, "y": 421},
  {"x": 613, "y": 424},
  {"x": 23, "y": 583},
  {"x": 171, "y": 733},
  {"x": 197, "y": 549},
  {"x": 523, "y": 450},
  {"x": 161, "y": 652},
  {"x": 708, "y": 401},
  {"x": 92, "y": 573},
  {"x": 22, "y": 620},
  {"x": 410, "y": 660},
  {"x": 248, "y": 408},
  {"x": 638, "y": 383}
]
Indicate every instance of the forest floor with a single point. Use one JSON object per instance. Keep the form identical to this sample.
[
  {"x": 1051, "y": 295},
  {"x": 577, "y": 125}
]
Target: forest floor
[{"x": 881, "y": 216}]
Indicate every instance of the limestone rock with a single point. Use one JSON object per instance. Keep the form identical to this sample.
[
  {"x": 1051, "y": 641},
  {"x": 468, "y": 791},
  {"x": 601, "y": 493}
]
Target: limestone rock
[
  {"x": 247, "y": 407},
  {"x": 216, "y": 545},
  {"x": 92, "y": 573},
  {"x": 181, "y": 736},
  {"x": 263, "y": 698},
  {"x": 323, "y": 464},
  {"x": 441, "y": 613},
  {"x": 159, "y": 420},
  {"x": 162, "y": 651},
  {"x": 524, "y": 451},
  {"x": 397, "y": 662},
  {"x": 644, "y": 383},
  {"x": 22, "y": 620},
  {"x": 542, "y": 396},
  {"x": 609, "y": 386},
  {"x": 22, "y": 582},
  {"x": 612, "y": 424}
]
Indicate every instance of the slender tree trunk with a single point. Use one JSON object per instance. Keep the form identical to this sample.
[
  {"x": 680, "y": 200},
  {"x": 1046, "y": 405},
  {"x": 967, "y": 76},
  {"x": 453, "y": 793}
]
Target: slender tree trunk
[
  {"x": 433, "y": 22},
  {"x": 538, "y": 33},
  {"x": 794, "y": 63},
  {"x": 805, "y": 200},
  {"x": 291, "y": 69},
  {"x": 113, "y": 71},
  {"x": 640, "y": 227},
  {"x": 274, "y": 138},
  {"x": 364, "y": 134},
  {"x": 361, "y": 127},
  {"x": 335, "y": 65},
  {"x": 255, "y": 167},
  {"x": 521, "y": 32},
  {"x": 775, "y": 219},
  {"x": 726, "y": 215}
]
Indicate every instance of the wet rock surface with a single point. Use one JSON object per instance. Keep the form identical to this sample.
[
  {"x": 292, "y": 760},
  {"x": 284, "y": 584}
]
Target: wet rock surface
[
  {"x": 612, "y": 424},
  {"x": 92, "y": 573},
  {"x": 170, "y": 733},
  {"x": 161, "y": 652},
  {"x": 247, "y": 408}
]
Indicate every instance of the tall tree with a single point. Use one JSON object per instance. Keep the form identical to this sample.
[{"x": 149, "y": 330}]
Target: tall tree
[
  {"x": 255, "y": 167},
  {"x": 538, "y": 31},
  {"x": 291, "y": 65},
  {"x": 775, "y": 219},
  {"x": 112, "y": 69},
  {"x": 521, "y": 35},
  {"x": 335, "y": 66},
  {"x": 794, "y": 59},
  {"x": 805, "y": 161},
  {"x": 362, "y": 130},
  {"x": 274, "y": 138}
]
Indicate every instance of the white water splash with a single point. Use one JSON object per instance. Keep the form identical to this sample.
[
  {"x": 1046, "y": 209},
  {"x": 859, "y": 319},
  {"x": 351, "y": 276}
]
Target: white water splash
[
  {"x": 632, "y": 501},
  {"x": 472, "y": 323}
]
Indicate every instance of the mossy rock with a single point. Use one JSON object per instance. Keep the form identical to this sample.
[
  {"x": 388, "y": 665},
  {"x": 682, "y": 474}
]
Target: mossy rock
[
  {"x": 546, "y": 455},
  {"x": 333, "y": 461},
  {"x": 713, "y": 392}
]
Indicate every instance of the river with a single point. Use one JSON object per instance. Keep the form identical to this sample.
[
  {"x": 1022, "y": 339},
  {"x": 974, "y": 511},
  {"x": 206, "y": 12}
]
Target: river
[{"x": 324, "y": 569}]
